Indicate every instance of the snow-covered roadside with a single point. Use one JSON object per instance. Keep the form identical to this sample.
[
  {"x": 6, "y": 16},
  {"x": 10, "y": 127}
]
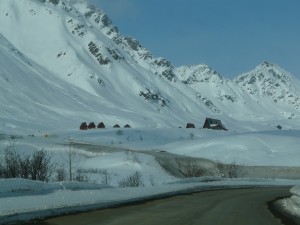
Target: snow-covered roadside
[
  {"x": 291, "y": 206},
  {"x": 23, "y": 200}
]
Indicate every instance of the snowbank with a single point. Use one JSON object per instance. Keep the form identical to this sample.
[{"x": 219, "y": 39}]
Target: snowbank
[
  {"x": 291, "y": 206},
  {"x": 29, "y": 186},
  {"x": 23, "y": 200}
]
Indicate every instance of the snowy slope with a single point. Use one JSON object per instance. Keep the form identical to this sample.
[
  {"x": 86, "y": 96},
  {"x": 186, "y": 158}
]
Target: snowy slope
[
  {"x": 92, "y": 73},
  {"x": 64, "y": 62},
  {"x": 266, "y": 94}
]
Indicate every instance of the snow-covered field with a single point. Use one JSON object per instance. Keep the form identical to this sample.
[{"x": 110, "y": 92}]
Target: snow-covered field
[{"x": 124, "y": 151}]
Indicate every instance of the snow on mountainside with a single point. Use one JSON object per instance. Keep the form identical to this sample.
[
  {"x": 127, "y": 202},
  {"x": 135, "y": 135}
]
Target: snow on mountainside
[
  {"x": 90, "y": 72},
  {"x": 271, "y": 81},
  {"x": 64, "y": 62},
  {"x": 268, "y": 93}
]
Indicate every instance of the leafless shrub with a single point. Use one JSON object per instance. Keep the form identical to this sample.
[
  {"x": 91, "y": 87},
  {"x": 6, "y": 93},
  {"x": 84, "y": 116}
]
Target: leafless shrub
[
  {"x": 1, "y": 169},
  {"x": 61, "y": 174},
  {"x": 106, "y": 177},
  {"x": 38, "y": 166},
  {"x": 191, "y": 169},
  {"x": 93, "y": 170},
  {"x": 25, "y": 163},
  {"x": 231, "y": 170},
  {"x": 152, "y": 181},
  {"x": 41, "y": 166},
  {"x": 80, "y": 176},
  {"x": 10, "y": 164},
  {"x": 134, "y": 180}
]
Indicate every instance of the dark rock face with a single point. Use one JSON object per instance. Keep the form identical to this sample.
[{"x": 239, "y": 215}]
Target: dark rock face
[
  {"x": 134, "y": 44},
  {"x": 54, "y": 2},
  {"x": 95, "y": 50},
  {"x": 153, "y": 97},
  {"x": 115, "y": 54}
]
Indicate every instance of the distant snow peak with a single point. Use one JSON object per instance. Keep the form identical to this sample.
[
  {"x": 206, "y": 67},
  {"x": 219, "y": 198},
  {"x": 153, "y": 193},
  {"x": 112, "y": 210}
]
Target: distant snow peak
[
  {"x": 198, "y": 74},
  {"x": 101, "y": 19},
  {"x": 266, "y": 63},
  {"x": 77, "y": 1},
  {"x": 268, "y": 80},
  {"x": 266, "y": 74},
  {"x": 56, "y": 2}
]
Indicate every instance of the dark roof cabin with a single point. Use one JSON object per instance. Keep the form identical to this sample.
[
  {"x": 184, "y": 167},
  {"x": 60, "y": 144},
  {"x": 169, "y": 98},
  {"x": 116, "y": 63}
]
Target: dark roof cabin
[
  {"x": 127, "y": 126},
  {"x": 91, "y": 125},
  {"x": 117, "y": 126},
  {"x": 190, "y": 125},
  {"x": 101, "y": 125},
  {"x": 214, "y": 124},
  {"x": 83, "y": 126}
]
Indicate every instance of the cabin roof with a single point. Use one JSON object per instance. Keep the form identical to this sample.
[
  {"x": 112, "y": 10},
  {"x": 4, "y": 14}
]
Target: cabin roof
[{"x": 214, "y": 122}]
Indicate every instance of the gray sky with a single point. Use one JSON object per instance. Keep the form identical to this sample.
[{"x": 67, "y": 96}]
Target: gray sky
[{"x": 231, "y": 36}]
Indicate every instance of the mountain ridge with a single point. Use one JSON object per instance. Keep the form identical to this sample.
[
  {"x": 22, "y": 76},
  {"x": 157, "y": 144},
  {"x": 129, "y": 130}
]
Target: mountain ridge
[{"x": 98, "y": 74}]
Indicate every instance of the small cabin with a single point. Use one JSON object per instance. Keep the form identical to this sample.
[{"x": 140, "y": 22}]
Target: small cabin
[
  {"x": 101, "y": 125},
  {"x": 91, "y": 125},
  {"x": 214, "y": 124},
  {"x": 117, "y": 126},
  {"x": 190, "y": 125},
  {"x": 83, "y": 126},
  {"x": 127, "y": 126}
]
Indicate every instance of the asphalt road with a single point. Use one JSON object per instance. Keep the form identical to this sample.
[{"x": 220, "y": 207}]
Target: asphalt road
[{"x": 234, "y": 207}]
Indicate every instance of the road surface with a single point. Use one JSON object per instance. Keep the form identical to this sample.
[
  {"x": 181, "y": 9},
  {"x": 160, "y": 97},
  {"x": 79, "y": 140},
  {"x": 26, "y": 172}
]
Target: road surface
[{"x": 232, "y": 207}]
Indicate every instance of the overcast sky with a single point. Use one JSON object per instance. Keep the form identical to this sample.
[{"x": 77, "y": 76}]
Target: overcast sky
[{"x": 231, "y": 36}]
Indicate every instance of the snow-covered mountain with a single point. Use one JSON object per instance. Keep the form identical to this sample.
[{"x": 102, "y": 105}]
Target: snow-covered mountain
[
  {"x": 267, "y": 93},
  {"x": 271, "y": 81},
  {"x": 63, "y": 62}
]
